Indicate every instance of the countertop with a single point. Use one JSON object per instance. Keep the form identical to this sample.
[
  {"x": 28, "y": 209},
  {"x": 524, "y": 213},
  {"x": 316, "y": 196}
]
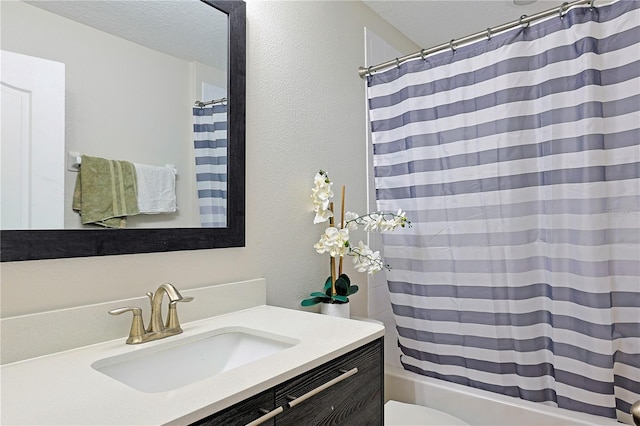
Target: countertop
[{"x": 64, "y": 389}]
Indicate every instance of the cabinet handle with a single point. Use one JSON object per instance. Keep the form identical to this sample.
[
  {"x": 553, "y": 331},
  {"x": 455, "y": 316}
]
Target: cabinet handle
[
  {"x": 271, "y": 414},
  {"x": 320, "y": 388},
  {"x": 297, "y": 400}
]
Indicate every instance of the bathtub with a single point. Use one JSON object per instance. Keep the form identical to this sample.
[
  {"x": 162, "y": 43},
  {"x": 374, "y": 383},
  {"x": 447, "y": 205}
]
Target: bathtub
[{"x": 478, "y": 407}]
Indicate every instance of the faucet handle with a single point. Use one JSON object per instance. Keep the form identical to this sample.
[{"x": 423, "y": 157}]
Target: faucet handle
[
  {"x": 137, "y": 325},
  {"x": 172, "y": 316},
  {"x": 134, "y": 309}
]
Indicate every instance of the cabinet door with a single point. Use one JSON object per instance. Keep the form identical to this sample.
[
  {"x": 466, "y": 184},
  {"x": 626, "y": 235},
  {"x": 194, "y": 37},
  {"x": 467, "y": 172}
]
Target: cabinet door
[
  {"x": 357, "y": 400},
  {"x": 243, "y": 412}
]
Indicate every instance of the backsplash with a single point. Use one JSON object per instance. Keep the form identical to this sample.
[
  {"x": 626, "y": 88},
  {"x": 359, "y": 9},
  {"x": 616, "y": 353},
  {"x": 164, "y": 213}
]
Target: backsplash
[{"x": 34, "y": 335}]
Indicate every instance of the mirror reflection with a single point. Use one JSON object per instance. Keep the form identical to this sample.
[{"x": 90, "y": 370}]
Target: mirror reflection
[{"x": 117, "y": 80}]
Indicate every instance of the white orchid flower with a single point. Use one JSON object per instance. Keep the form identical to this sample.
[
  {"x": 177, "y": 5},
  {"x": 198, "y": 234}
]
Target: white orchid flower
[
  {"x": 366, "y": 260},
  {"x": 334, "y": 241},
  {"x": 350, "y": 220},
  {"x": 321, "y": 194},
  {"x": 322, "y": 215},
  {"x": 400, "y": 219},
  {"x": 373, "y": 221}
]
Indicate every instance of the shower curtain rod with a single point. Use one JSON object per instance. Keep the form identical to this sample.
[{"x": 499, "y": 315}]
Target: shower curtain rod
[
  {"x": 524, "y": 20},
  {"x": 213, "y": 102}
]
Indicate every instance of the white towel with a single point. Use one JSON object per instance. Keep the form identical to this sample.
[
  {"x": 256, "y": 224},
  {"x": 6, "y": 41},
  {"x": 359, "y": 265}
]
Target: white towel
[{"x": 156, "y": 189}]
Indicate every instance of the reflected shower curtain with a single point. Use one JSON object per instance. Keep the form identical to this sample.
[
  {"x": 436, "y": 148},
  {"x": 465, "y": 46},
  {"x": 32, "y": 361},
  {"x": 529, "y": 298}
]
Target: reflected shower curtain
[
  {"x": 210, "y": 143},
  {"x": 518, "y": 161}
]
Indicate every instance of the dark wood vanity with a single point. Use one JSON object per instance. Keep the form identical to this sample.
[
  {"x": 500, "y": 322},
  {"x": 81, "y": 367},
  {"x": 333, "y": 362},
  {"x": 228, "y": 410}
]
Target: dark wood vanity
[{"x": 357, "y": 399}]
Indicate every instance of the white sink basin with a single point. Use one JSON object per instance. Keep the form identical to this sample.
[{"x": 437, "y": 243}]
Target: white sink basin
[{"x": 180, "y": 362}]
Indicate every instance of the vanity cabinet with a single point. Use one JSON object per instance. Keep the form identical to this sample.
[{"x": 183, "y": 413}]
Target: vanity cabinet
[
  {"x": 347, "y": 390},
  {"x": 243, "y": 412}
]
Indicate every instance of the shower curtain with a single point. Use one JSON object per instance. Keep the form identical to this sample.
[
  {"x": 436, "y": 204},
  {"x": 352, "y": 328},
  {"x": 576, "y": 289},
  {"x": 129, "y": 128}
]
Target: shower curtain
[
  {"x": 517, "y": 158},
  {"x": 210, "y": 144}
]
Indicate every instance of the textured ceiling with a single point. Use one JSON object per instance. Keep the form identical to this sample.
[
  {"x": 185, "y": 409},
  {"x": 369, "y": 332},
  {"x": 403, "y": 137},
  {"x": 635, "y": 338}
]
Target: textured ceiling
[
  {"x": 186, "y": 29},
  {"x": 192, "y": 30},
  {"x": 432, "y": 22}
]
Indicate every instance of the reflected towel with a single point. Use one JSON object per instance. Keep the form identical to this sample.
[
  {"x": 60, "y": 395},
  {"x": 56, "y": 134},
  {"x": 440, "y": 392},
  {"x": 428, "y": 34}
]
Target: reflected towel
[
  {"x": 105, "y": 192},
  {"x": 156, "y": 189}
]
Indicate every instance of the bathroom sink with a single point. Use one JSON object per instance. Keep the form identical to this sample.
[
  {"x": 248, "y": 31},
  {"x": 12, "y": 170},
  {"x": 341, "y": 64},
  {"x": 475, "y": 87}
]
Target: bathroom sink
[{"x": 172, "y": 364}]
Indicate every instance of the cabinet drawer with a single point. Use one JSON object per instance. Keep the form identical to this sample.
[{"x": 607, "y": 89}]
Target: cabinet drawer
[
  {"x": 356, "y": 400},
  {"x": 242, "y": 413}
]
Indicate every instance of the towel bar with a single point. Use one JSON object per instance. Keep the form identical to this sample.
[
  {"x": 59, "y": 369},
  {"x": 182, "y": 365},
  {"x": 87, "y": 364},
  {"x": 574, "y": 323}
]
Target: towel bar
[{"x": 74, "y": 160}]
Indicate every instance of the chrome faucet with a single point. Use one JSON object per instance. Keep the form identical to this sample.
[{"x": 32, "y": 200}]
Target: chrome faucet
[{"x": 156, "y": 329}]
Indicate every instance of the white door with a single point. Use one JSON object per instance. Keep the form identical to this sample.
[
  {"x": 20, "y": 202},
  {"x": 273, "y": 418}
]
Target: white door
[{"x": 32, "y": 142}]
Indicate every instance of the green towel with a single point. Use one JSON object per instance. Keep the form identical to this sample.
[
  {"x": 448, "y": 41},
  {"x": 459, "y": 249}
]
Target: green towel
[{"x": 106, "y": 192}]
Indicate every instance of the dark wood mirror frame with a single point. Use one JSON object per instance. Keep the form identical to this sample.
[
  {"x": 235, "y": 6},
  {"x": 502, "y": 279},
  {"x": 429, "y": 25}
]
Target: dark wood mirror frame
[{"x": 55, "y": 244}]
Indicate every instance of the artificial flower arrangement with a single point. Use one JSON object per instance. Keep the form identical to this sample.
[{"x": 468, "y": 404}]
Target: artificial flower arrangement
[{"x": 335, "y": 241}]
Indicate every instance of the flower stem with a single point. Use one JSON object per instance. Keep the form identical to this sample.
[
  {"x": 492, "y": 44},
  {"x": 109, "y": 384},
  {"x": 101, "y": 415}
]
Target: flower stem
[
  {"x": 332, "y": 261},
  {"x": 341, "y": 227}
]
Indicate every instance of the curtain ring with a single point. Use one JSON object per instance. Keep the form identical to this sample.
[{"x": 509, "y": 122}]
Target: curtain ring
[
  {"x": 488, "y": 33},
  {"x": 397, "y": 63},
  {"x": 521, "y": 24},
  {"x": 369, "y": 71},
  {"x": 453, "y": 49},
  {"x": 422, "y": 54},
  {"x": 591, "y": 6},
  {"x": 561, "y": 10}
]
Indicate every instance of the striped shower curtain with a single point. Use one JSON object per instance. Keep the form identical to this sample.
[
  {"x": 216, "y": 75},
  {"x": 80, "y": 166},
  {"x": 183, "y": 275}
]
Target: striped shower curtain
[
  {"x": 210, "y": 143},
  {"x": 517, "y": 159}
]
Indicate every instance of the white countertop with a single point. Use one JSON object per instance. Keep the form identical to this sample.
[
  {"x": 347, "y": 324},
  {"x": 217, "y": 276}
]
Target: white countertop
[{"x": 63, "y": 388}]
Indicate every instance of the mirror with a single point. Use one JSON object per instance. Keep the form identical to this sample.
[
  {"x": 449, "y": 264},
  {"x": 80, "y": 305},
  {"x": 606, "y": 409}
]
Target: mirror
[{"x": 150, "y": 236}]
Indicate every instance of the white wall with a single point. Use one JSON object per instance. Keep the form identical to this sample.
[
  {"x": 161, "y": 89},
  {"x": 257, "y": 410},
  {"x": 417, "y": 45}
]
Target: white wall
[
  {"x": 379, "y": 302},
  {"x": 305, "y": 111}
]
